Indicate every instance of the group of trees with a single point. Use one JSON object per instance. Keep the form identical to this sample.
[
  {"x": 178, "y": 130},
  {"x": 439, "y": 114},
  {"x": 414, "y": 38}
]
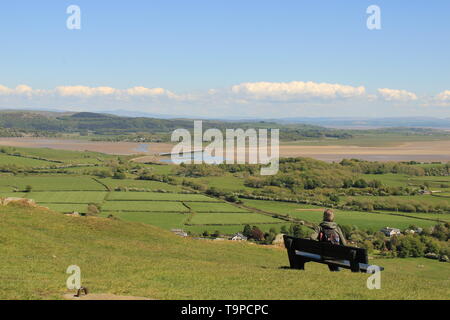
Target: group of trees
[{"x": 374, "y": 167}]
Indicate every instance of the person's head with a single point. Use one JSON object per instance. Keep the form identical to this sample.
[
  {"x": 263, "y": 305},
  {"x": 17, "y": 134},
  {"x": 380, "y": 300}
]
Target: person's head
[{"x": 328, "y": 215}]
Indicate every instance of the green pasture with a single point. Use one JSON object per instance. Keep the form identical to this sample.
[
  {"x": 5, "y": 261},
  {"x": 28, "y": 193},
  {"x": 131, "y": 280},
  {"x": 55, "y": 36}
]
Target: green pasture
[
  {"x": 156, "y": 206},
  {"x": 164, "y": 220},
  {"x": 139, "y": 184},
  {"x": 67, "y": 197},
  {"x": 49, "y": 183},
  {"x": 226, "y": 182},
  {"x": 64, "y": 156},
  {"x": 232, "y": 229},
  {"x": 364, "y": 220},
  {"x": 232, "y": 218},
  {"x": 155, "y": 196},
  {"x": 66, "y": 207},
  {"x": 24, "y": 162},
  {"x": 214, "y": 207}
]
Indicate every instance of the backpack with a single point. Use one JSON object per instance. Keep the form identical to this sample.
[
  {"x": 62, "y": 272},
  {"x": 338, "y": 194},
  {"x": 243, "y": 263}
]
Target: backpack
[{"x": 329, "y": 235}]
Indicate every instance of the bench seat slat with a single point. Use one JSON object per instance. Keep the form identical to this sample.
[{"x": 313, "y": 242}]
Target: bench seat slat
[{"x": 339, "y": 263}]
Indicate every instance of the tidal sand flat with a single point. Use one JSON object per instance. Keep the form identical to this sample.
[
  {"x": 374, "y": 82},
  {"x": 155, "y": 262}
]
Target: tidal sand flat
[{"x": 425, "y": 151}]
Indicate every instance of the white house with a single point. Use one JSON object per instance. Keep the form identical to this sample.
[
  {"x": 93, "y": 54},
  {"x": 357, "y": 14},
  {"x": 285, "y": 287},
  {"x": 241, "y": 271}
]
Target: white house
[
  {"x": 389, "y": 232},
  {"x": 239, "y": 237},
  {"x": 179, "y": 232}
]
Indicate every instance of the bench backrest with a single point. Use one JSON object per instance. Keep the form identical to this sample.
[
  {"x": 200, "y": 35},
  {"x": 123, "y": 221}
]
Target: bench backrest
[{"x": 357, "y": 255}]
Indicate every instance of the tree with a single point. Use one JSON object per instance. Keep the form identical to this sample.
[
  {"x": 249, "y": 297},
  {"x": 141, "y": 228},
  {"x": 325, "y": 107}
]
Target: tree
[
  {"x": 410, "y": 246},
  {"x": 28, "y": 188},
  {"x": 247, "y": 231},
  {"x": 257, "y": 234},
  {"x": 335, "y": 198},
  {"x": 119, "y": 175},
  {"x": 93, "y": 209}
]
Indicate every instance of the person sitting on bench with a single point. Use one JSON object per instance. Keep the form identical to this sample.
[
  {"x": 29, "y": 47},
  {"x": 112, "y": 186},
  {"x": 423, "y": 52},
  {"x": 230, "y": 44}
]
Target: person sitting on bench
[{"x": 329, "y": 231}]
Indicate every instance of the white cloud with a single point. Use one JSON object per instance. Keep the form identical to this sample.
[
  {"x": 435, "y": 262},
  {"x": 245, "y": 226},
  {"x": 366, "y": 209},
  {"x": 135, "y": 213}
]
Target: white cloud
[
  {"x": 444, "y": 96},
  {"x": 142, "y": 91},
  {"x": 296, "y": 90},
  {"x": 5, "y": 90},
  {"x": 397, "y": 95},
  {"x": 440, "y": 100},
  {"x": 84, "y": 91},
  {"x": 250, "y": 99},
  {"x": 19, "y": 90}
]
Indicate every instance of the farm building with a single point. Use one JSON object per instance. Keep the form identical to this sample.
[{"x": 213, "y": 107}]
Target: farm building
[
  {"x": 239, "y": 237},
  {"x": 179, "y": 232},
  {"x": 389, "y": 232}
]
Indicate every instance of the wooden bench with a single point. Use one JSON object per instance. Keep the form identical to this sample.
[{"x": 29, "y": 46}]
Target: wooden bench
[{"x": 301, "y": 251}]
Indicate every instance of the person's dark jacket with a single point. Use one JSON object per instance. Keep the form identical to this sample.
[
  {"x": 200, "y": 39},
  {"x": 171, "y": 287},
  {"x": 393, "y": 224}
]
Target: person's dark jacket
[{"x": 329, "y": 225}]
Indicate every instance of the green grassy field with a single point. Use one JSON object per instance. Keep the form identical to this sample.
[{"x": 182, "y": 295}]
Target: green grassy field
[
  {"x": 66, "y": 197},
  {"x": 214, "y": 207},
  {"x": 140, "y": 184},
  {"x": 64, "y": 156},
  {"x": 374, "y": 221},
  {"x": 227, "y": 182},
  {"x": 156, "y": 196},
  {"x": 232, "y": 229},
  {"x": 66, "y": 207},
  {"x": 24, "y": 162},
  {"x": 135, "y": 259},
  {"x": 164, "y": 220},
  {"x": 232, "y": 218},
  {"x": 49, "y": 183},
  {"x": 155, "y": 206}
]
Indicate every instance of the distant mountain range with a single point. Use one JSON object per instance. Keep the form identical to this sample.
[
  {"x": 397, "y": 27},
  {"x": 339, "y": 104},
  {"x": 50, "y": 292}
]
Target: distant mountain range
[
  {"x": 330, "y": 122},
  {"x": 416, "y": 122}
]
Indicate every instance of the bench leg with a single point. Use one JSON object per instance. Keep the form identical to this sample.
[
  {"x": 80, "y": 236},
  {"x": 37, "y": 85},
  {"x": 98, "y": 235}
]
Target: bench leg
[
  {"x": 334, "y": 268},
  {"x": 354, "y": 264},
  {"x": 295, "y": 261}
]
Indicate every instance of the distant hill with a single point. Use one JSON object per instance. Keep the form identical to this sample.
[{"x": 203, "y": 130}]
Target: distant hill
[
  {"x": 90, "y": 115},
  {"x": 112, "y": 125},
  {"x": 416, "y": 122}
]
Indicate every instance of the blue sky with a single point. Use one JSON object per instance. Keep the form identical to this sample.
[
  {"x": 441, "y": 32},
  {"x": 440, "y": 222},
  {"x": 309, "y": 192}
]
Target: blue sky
[{"x": 228, "y": 58}]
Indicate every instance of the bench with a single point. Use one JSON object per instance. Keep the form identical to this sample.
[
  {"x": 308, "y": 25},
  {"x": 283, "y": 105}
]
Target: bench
[{"x": 301, "y": 251}]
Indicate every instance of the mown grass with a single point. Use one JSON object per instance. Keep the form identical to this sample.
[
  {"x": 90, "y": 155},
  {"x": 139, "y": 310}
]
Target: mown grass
[{"x": 136, "y": 259}]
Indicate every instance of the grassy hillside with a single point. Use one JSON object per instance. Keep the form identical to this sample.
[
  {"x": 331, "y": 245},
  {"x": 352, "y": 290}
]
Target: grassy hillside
[{"x": 136, "y": 259}]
